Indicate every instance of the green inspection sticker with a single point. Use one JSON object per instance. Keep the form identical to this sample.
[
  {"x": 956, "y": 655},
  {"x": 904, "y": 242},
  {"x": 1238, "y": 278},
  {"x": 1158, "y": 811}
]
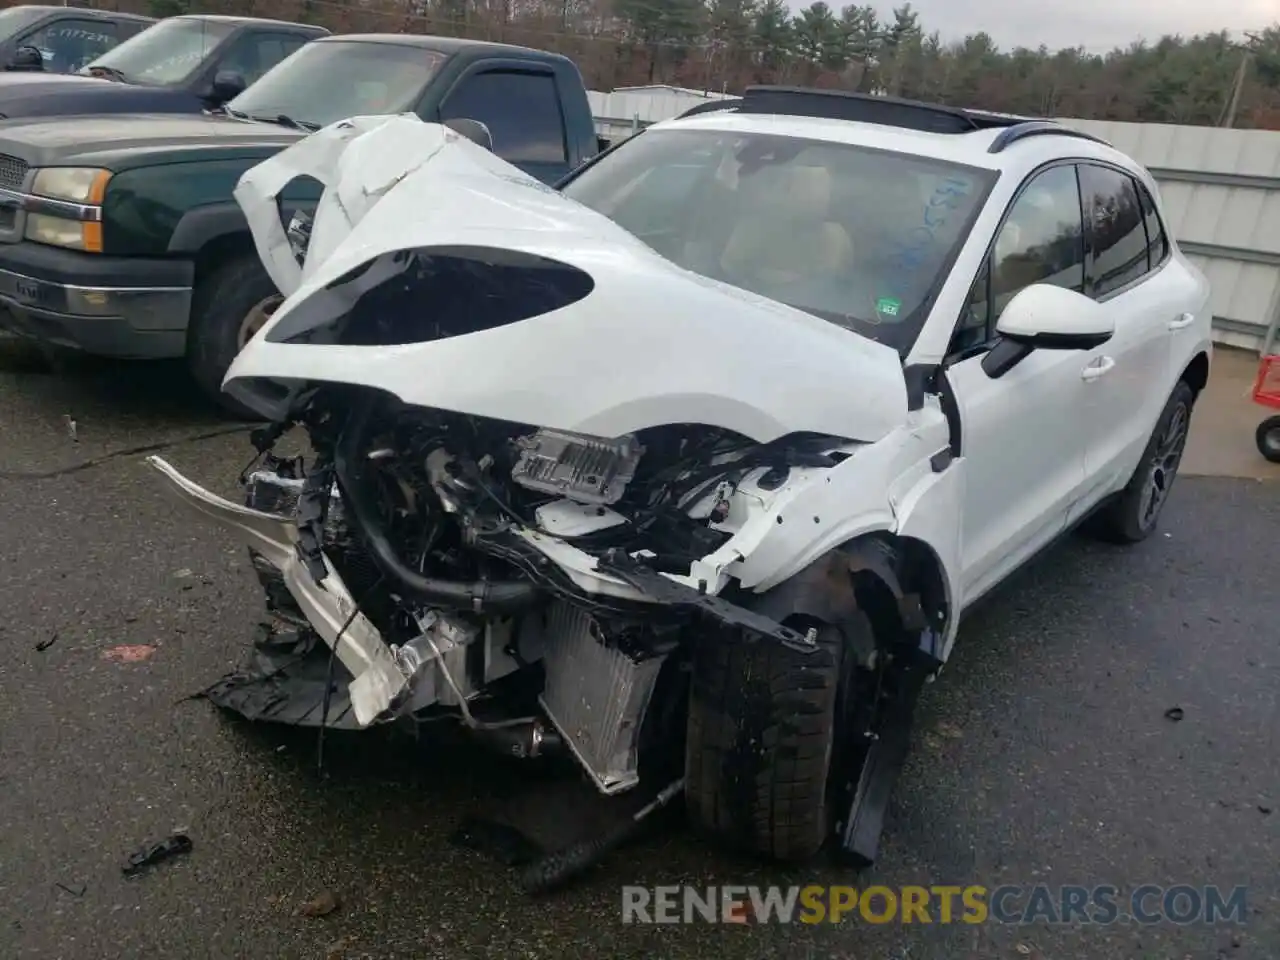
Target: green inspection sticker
[{"x": 888, "y": 306}]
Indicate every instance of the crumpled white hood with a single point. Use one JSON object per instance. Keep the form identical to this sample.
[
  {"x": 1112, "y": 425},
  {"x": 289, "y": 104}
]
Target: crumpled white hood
[{"x": 651, "y": 344}]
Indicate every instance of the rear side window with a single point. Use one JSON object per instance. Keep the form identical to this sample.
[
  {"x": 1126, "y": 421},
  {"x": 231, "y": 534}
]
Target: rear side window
[
  {"x": 521, "y": 110},
  {"x": 1157, "y": 240},
  {"x": 1117, "y": 234}
]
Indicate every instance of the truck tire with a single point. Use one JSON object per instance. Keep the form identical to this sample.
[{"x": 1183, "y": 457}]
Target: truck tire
[
  {"x": 222, "y": 311},
  {"x": 1132, "y": 518},
  {"x": 761, "y": 735}
]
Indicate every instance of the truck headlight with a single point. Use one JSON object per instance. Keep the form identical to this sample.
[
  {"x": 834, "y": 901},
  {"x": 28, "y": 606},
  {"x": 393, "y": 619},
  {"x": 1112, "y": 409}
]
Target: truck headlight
[
  {"x": 74, "y": 184},
  {"x": 59, "y": 232},
  {"x": 65, "y": 207}
]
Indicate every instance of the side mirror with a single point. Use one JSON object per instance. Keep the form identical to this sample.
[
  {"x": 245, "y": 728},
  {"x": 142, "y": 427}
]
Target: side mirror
[
  {"x": 227, "y": 85},
  {"x": 27, "y": 57},
  {"x": 1046, "y": 317},
  {"x": 473, "y": 130}
]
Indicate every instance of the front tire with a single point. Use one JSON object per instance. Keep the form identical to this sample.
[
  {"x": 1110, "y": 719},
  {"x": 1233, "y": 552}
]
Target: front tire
[
  {"x": 230, "y": 305},
  {"x": 761, "y": 735},
  {"x": 1268, "y": 438},
  {"x": 1135, "y": 514}
]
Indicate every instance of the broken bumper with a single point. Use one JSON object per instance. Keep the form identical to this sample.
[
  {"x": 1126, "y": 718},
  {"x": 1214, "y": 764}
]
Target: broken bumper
[{"x": 379, "y": 685}]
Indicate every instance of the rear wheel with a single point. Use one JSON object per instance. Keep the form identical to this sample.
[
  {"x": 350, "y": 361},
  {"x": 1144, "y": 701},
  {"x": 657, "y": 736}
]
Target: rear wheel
[
  {"x": 1134, "y": 515},
  {"x": 761, "y": 737},
  {"x": 1268, "y": 438},
  {"x": 231, "y": 304}
]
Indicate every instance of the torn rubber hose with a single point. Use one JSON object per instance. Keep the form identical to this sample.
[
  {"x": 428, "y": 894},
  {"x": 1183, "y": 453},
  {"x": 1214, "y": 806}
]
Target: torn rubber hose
[
  {"x": 351, "y": 469},
  {"x": 559, "y": 868}
]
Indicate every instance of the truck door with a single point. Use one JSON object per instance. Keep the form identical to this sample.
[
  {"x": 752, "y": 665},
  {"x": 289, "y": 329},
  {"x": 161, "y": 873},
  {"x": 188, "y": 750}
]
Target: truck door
[{"x": 520, "y": 104}]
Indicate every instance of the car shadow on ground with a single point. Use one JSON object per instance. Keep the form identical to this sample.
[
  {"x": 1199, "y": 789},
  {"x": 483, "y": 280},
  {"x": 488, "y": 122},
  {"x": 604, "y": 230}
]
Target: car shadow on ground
[{"x": 109, "y": 388}]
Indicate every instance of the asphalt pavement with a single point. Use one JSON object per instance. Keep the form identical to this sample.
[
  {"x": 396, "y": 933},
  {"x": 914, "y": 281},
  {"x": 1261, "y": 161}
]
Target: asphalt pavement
[{"x": 1045, "y": 754}]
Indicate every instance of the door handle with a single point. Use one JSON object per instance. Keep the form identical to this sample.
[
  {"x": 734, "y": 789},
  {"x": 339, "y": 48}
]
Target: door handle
[
  {"x": 1182, "y": 320},
  {"x": 1100, "y": 367}
]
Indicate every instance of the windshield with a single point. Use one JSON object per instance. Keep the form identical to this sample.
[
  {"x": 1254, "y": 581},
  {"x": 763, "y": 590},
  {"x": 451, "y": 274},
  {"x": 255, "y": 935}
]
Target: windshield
[
  {"x": 330, "y": 80},
  {"x": 857, "y": 236},
  {"x": 165, "y": 54},
  {"x": 13, "y": 19}
]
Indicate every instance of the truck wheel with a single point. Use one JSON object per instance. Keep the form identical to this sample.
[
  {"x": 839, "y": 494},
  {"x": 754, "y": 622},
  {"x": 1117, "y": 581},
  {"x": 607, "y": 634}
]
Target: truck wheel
[
  {"x": 761, "y": 734},
  {"x": 1134, "y": 515},
  {"x": 230, "y": 305},
  {"x": 1268, "y": 438}
]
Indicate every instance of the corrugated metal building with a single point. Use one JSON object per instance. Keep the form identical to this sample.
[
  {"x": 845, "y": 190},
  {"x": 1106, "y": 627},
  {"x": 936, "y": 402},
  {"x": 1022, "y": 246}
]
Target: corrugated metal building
[{"x": 625, "y": 110}]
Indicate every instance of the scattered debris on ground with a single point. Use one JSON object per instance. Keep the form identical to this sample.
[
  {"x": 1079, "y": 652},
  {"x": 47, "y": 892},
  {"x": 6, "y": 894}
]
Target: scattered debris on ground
[
  {"x": 44, "y": 645},
  {"x": 172, "y": 846},
  {"x": 129, "y": 653},
  {"x": 321, "y": 905},
  {"x": 74, "y": 891},
  {"x": 1174, "y": 713}
]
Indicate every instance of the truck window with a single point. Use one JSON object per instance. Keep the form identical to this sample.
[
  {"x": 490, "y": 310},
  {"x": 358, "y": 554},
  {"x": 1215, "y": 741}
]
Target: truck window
[
  {"x": 253, "y": 54},
  {"x": 521, "y": 110},
  {"x": 167, "y": 52},
  {"x": 67, "y": 44}
]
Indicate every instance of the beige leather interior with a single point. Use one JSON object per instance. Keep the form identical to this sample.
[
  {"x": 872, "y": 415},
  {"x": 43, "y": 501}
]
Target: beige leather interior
[{"x": 784, "y": 232}]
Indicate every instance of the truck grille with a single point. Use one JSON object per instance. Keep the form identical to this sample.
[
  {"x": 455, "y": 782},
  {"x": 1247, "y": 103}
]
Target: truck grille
[{"x": 13, "y": 172}]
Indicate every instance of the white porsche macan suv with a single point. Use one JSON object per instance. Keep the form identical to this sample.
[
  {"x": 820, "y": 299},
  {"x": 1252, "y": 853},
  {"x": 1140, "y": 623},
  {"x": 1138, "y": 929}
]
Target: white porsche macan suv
[{"x": 712, "y": 446}]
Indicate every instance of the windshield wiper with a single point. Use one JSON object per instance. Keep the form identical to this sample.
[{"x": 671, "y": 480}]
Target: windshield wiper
[{"x": 287, "y": 121}]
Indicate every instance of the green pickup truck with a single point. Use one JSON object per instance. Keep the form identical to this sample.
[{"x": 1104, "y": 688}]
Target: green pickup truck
[{"x": 119, "y": 235}]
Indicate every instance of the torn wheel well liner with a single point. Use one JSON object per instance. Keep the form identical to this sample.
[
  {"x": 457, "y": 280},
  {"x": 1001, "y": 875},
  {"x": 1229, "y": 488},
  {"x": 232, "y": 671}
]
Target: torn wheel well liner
[{"x": 897, "y": 582}]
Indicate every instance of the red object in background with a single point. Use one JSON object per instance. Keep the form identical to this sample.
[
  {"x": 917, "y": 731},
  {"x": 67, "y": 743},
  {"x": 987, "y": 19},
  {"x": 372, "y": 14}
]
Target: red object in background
[{"x": 1266, "y": 389}]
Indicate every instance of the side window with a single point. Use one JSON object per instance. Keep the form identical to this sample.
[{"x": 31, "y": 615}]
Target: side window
[
  {"x": 67, "y": 45},
  {"x": 293, "y": 43},
  {"x": 1118, "y": 238},
  {"x": 521, "y": 110},
  {"x": 1040, "y": 241},
  {"x": 1157, "y": 240},
  {"x": 253, "y": 54},
  {"x": 975, "y": 327}
]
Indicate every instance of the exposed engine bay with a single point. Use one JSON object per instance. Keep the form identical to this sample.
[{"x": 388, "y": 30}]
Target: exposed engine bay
[{"x": 440, "y": 525}]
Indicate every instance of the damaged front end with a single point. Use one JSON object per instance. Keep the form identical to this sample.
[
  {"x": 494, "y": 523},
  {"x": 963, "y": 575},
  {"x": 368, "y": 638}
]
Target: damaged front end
[
  {"x": 547, "y": 465},
  {"x": 448, "y": 560}
]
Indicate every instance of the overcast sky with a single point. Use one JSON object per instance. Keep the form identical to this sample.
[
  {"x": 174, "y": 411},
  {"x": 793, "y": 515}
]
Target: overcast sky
[{"x": 1095, "y": 24}]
